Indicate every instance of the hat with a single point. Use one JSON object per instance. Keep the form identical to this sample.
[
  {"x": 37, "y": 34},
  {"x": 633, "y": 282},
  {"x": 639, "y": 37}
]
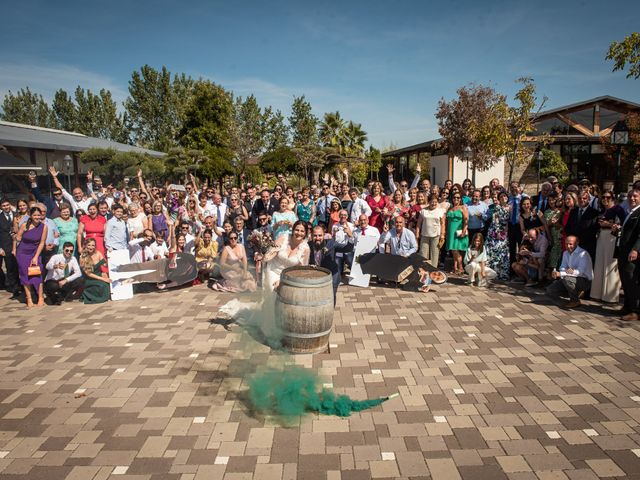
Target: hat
[
  {"x": 552, "y": 179},
  {"x": 584, "y": 181}
]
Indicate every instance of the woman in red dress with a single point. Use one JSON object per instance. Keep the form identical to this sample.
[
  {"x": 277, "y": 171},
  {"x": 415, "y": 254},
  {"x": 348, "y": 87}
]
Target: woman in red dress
[
  {"x": 378, "y": 202},
  {"x": 92, "y": 226},
  {"x": 570, "y": 202}
]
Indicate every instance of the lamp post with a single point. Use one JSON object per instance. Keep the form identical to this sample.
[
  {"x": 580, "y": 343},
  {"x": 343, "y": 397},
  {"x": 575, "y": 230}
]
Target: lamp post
[
  {"x": 620, "y": 137},
  {"x": 539, "y": 157},
  {"x": 466, "y": 155},
  {"x": 67, "y": 169}
]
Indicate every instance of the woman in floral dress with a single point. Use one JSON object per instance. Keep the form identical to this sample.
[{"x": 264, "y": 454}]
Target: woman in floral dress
[{"x": 497, "y": 241}]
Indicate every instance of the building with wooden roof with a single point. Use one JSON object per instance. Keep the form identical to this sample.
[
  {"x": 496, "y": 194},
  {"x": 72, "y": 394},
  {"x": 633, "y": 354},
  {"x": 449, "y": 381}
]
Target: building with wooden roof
[{"x": 579, "y": 132}]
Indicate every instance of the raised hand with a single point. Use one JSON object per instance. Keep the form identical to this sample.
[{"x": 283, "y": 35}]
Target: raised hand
[
  {"x": 53, "y": 171},
  {"x": 390, "y": 168}
]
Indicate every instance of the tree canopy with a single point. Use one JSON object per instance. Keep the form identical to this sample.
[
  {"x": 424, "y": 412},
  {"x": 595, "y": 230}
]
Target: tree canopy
[{"x": 626, "y": 53}]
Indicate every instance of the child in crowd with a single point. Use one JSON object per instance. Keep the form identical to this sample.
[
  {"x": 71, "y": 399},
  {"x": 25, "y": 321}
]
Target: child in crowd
[
  {"x": 425, "y": 280},
  {"x": 159, "y": 247},
  {"x": 476, "y": 262}
]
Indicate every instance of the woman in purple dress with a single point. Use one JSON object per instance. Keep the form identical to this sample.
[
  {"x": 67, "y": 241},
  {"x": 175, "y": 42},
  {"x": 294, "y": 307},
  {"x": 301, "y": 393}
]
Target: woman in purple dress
[{"x": 27, "y": 247}]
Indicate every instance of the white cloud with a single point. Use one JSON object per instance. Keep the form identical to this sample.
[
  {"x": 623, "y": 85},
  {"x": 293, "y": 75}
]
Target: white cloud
[{"x": 45, "y": 78}]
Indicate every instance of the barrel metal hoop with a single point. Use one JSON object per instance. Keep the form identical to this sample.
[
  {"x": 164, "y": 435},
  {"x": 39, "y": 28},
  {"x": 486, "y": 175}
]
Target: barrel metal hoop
[
  {"x": 305, "y": 335},
  {"x": 286, "y": 281},
  {"x": 319, "y": 303}
]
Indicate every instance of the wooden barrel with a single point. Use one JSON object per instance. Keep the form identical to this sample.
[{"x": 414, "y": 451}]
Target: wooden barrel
[{"x": 304, "y": 309}]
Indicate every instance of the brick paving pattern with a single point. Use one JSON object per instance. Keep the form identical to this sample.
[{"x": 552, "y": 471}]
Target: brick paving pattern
[{"x": 493, "y": 384}]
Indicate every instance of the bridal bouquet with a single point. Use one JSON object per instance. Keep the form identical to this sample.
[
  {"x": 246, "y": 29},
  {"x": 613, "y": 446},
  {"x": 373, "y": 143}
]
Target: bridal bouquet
[{"x": 261, "y": 241}]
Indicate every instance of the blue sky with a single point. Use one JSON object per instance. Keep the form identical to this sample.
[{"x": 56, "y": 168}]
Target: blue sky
[{"x": 382, "y": 64}]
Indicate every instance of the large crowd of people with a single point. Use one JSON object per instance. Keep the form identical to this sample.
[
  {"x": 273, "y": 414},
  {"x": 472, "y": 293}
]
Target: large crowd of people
[{"x": 572, "y": 239}]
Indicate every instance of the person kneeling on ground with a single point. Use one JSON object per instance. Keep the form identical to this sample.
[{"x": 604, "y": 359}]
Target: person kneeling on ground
[
  {"x": 575, "y": 275},
  {"x": 64, "y": 277},
  {"x": 531, "y": 258},
  {"x": 476, "y": 262}
]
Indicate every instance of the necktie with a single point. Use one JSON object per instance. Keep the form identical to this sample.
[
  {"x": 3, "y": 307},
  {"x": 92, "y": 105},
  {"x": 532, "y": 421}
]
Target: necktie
[
  {"x": 318, "y": 257},
  {"x": 144, "y": 257},
  {"x": 580, "y": 212},
  {"x": 66, "y": 270},
  {"x": 219, "y": 219},
  {"x": 514, "y": 211},
  {"x": 363, "y": 232}
]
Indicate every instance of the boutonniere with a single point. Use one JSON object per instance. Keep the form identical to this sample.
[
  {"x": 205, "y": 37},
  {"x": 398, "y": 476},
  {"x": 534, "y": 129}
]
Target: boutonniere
[{"x": 324, "y": 250}]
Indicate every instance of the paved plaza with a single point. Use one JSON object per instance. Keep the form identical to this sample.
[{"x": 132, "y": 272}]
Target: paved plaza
[{"x": 494, "y": 383}]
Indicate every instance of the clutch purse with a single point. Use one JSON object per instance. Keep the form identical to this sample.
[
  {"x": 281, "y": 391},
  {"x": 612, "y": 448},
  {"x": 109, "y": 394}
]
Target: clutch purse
[
  {"x": 458, "y": 233},
  {"x": 34, "y": 271}
]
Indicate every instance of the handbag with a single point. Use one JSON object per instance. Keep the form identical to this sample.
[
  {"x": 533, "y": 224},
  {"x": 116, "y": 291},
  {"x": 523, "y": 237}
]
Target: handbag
[{"x": 34, "y": 271}]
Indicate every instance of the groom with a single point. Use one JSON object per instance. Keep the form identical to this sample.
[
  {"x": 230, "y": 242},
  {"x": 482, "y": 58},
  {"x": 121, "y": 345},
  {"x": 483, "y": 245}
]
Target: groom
[{"x": 323, "y": 254}]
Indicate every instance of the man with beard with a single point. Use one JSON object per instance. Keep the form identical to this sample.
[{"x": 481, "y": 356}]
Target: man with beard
[{"x": 323, "y": 254}]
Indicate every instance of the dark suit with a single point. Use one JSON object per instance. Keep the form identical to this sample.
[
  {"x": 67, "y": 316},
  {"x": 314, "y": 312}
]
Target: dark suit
[
  {"x": 328, "y": 260},
  {"x": 540, "y": 204},
  {"x": 248, "y": 204},
  {"x": 259, "y": 206},
  {"x": 630, "y": 271},
  {"x": 53, "y": 211},
  {"x": 10, "y": 280},
  {"x": 585, "y": 227}
]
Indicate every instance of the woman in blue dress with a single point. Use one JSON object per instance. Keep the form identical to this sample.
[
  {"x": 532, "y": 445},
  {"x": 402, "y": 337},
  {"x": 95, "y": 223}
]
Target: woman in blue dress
[{"x": 283, "y": 220}]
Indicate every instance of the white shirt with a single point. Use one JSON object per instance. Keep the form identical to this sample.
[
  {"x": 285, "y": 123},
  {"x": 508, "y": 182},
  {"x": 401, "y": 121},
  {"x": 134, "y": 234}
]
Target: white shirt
[
  {"x": 580, "y": 261},
  {"x": 431, "y": 222},
  {"x": 159, "y": 250},
  {"x": 358, "y": 208},
  {"x": 218, "y": 211},
  {"x": 136, "y": 250},
  {"x": 404, "y": 244},
  {"x": 58, "y": 273},
  {"x": 190, "y": 242},
  {"x": 368, "y": 232},
  {"x": 81, "y": 205},
  {"x": 340, "y": 236}
]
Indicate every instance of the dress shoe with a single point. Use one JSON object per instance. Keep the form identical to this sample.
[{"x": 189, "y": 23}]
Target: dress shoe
[
  {"x": 630, "y": 317},
  {"x": 572, "y": 304}
]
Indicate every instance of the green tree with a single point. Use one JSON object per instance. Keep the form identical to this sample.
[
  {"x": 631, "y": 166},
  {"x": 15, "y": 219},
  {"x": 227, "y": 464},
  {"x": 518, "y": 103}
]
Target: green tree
[
  {"x": 478, "y": 119},
  {"x": 64, "y": 111},
  {"x": 28, "y": 108},
  {"x": 552, "y": 164},
  {"x": 156, "y": 106},
  {"x": 331, "y": 131},
  {"x": 97, "y": 115},
  {"x": 280, "y": 160},
  {"x": 180, "y": 161},
  {"x": 303, "y": 123},
  {"x": 208, "y": 126},
  {"x": 626, "y": 52},
  {"x": 275, "y": 130},
  {"x": 520, "y": 123},
  {"x": 114, "y": 165},
  {"x": 354, "y": 139},
  {"x": 248, "y": 132}
]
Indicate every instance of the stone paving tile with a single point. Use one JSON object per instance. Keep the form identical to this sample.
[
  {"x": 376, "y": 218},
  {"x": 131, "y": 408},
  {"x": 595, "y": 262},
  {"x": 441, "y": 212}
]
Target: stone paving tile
[{"x": 494, "y": 383}]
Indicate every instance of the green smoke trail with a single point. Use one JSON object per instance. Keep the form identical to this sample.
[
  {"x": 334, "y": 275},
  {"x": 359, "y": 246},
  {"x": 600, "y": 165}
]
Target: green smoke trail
[{"x": 292, "y": 391}]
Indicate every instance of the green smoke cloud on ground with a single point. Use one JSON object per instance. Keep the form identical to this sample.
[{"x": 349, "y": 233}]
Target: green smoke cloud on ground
[{"x": 292, "y": 391}]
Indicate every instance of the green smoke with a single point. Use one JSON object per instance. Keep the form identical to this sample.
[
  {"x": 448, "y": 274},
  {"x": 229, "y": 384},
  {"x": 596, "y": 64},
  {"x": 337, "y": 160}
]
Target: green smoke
[{"x": 292, "y": 391}]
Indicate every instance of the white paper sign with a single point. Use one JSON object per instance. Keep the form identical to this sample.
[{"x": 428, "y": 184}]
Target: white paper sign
[
  {"x": 364, "y": 245},
  {"x": 120, "y": 290}
]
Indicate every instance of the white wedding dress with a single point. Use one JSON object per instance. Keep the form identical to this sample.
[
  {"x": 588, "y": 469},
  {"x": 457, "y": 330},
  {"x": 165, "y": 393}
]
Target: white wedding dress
[
  {"x": 284, "y": 259},
  {"x": 261, "y": 313}
]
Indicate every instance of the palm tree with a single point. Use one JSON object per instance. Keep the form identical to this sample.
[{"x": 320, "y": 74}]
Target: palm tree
[
  {"x": 332, "y": 130},
  {"x": 355, "y": 137}
]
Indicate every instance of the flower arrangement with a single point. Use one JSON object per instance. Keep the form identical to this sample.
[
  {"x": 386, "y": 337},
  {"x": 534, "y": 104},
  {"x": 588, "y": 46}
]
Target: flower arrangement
[{"x": 261, "y": 241}]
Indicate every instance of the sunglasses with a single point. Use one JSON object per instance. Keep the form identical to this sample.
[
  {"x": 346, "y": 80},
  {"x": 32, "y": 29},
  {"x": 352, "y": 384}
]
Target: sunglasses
[
  {"x": 68, "y": 250},
  {"x": 233, "y": 238},
  {"x": 262, "y": 219}
]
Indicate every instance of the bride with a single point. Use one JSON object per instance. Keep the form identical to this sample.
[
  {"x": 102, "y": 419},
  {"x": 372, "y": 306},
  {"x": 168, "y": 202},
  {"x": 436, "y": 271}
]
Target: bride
[{"x": 290, "y": 250}]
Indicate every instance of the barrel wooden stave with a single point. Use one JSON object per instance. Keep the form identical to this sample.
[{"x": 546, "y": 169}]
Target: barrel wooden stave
[{"x": 304, "y": 309}]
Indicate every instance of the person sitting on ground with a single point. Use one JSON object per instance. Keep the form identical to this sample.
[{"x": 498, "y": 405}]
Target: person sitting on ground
[
  {"x": 476, "y": 262},
  {"x": 575, "y": 275},
  {"x": 531, "y": 258},
  {"x": 64, "y": 277},
  {"x": 206, "y": 250}
]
